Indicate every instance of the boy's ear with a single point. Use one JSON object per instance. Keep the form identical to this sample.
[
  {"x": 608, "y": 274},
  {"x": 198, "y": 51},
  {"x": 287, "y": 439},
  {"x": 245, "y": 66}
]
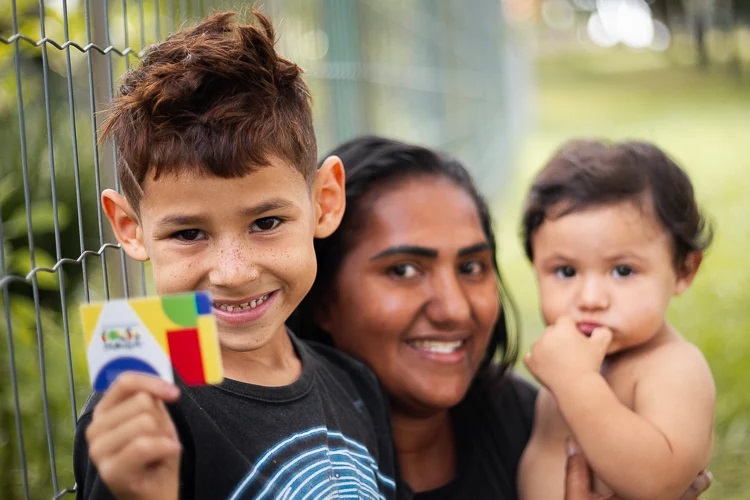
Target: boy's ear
[
  {"x": 124, "y": 223},
  {"x": 329, "y": 196},
  {"x": 688, "y": 271}
]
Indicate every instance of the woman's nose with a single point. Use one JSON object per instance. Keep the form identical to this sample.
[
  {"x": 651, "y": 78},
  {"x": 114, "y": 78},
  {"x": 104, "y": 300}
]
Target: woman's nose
[{"x": 449, "y": 304}]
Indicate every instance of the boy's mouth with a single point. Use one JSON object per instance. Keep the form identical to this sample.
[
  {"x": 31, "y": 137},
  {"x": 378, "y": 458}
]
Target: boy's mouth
[{"x": 244, "y": 306}]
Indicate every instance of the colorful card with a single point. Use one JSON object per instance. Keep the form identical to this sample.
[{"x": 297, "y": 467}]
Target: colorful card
[{"x": 152, "y": 335}]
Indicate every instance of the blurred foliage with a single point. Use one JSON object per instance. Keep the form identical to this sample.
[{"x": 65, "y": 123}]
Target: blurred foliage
[
  {"x": 702, "y": 119},
  {"x": 46, "y": 340}
]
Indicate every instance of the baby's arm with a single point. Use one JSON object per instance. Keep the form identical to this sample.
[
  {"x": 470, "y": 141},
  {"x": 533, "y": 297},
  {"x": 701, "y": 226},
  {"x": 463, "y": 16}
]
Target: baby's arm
[
  {"x": 541, "y": 472},
  {"x": 132, "y": 440},
  {"x": 652, "y": 452}
]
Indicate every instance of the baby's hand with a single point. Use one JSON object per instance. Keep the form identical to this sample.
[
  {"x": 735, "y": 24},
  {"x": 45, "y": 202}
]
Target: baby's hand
[
  {"x": 563, "y": 353},
  {"x": 132, "y": 440}
]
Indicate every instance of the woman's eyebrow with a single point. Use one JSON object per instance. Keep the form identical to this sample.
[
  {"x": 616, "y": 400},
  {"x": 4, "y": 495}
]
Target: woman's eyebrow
[
  {"x": 478, "y": 247},
  {"x": 406, "y": 249}
]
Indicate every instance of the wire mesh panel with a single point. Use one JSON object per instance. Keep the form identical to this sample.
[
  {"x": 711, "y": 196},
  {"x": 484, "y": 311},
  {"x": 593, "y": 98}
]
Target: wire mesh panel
[{"x": 423, "y": 71}]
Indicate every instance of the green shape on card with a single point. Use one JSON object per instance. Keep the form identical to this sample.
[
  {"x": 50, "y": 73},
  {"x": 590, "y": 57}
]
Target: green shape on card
[{"x": 181, "y": 308}]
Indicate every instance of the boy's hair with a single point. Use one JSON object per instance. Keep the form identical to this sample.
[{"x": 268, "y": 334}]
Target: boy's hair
[
  {"x": 587, "y": 173},
  {"x": 374, "y": 165},
  {"x": 213, "y": 99}
]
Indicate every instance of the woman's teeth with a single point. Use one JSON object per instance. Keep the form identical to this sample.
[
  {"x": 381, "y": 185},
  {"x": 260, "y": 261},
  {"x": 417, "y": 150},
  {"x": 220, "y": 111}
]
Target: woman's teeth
[
  {"x": 242, "y": 307},
  {"x": 437, "y": 346}
]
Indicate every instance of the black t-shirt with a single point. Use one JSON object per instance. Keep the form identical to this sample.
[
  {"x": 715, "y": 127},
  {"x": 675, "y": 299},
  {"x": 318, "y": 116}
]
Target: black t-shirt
[
  {"x": 492, "y": 426},
  {"x": 326, "y": 434}
]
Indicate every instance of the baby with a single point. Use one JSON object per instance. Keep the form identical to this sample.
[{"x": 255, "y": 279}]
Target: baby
[{"x": 614, "y": 232}]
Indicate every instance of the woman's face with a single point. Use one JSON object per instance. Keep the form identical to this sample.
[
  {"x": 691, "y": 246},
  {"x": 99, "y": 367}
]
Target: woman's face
[{"x": 416, "y": 297}]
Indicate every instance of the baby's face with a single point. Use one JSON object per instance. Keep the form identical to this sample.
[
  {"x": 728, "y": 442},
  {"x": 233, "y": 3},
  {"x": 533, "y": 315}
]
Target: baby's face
[{"x": 609, "y": 265}]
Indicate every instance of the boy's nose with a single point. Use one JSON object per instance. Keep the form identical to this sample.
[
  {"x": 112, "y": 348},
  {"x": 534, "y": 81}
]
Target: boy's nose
[
  {"x": 448, "y": 304},
  {"x": 592, "y": 294},
  {"x": 233, "y": 265}
]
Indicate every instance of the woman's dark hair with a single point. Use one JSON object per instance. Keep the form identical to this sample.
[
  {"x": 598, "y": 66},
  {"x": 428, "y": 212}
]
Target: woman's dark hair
[
  {"x": 373, "y": 165},
  {"x": 587, "y": 173}
]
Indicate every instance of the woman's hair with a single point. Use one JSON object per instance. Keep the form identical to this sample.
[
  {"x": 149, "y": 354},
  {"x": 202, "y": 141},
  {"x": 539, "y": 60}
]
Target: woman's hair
[
  {"x": 374, "y": 165},
  {"x": 589, "y": 173}
]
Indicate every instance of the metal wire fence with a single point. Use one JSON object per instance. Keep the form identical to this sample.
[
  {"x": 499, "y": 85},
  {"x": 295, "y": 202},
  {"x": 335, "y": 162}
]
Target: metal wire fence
[{"x": 433, "y": 72}]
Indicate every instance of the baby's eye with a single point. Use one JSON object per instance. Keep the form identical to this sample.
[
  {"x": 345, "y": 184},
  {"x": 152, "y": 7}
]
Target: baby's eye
[
  {"x": 403, "y": 270},
  {"x": 623, "y": 271},
  {"x": 265, "y": 224},
  {"x": 472, "y": 268},
  {"x": 189, "y": 235},
  {"x": 565, "y": 272}
]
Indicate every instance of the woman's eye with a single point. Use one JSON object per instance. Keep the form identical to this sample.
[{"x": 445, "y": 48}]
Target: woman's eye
[
  {"x": 189, "y": 235},
  {"x": 403, "y": 270},
  {"x": 623, "y": 271},
  {"x": 565, "y": 271},
  {"x": 473, "y": 268},
  {"x": 265, "y": 224}
]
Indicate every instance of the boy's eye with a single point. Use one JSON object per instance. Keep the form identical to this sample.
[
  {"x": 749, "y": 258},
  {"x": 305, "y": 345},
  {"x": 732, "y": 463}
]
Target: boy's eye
[
  {"x": 189, "y": 235},
  {"x": 565, "y": 272},
  {"x": 265, "y": 224},
  {"x": 472, "y": 268},
  {"x": 623, "y": 271},
  {"x": 403, "y": 271}
]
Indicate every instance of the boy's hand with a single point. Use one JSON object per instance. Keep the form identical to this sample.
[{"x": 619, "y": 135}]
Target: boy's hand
[
  {"x": 563, "y": 353},
  {"x": 132, "y": 440}
]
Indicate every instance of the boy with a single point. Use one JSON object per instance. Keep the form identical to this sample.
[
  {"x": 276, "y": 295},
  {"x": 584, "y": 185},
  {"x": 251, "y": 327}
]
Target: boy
[
  {"x": 613, "y": 232},
  {"x": 217, "y": 162}
]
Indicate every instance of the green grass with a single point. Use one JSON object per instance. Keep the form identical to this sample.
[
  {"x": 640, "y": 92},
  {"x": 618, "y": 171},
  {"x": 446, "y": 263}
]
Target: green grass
[{"x": 703, "y": 120}]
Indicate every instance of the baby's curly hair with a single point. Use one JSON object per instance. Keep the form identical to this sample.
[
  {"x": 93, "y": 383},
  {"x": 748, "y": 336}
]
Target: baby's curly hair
[
  {"x": 213, "y": 99},
  {"x": 587, "y": 173}
]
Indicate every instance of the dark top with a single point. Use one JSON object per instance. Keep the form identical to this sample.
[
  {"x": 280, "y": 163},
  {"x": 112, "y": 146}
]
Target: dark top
[
  {"x": 492, "y": 426},
  {"x": 326, "y": 434}
]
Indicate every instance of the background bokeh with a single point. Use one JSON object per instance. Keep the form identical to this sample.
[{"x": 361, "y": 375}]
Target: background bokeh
[{"x": 498, "y": 83}]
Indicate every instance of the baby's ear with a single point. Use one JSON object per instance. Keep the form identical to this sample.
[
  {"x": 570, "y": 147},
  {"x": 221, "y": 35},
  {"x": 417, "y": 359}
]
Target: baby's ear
[
  {"x": 688, "y": 270},
  {"x": 329, "y": 196},
  {"x": 124, "y": 223}
]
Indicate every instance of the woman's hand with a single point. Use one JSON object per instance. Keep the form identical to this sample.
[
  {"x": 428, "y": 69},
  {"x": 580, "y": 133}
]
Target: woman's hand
[{"x": 578, "y": 479}]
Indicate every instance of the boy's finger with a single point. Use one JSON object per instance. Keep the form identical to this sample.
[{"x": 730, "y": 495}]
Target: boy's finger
[
  {"x": 106, "y": 440},
  {"x": 129, "y": 383},
  {"x": 139, "y": 404},
  {"x": 137, "y": 455}
]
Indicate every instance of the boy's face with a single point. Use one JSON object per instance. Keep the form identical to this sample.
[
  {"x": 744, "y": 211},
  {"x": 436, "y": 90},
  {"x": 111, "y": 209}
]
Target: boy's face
[
  {"x": 248, "y": 240},
  {"x": 608, "y": 265}
]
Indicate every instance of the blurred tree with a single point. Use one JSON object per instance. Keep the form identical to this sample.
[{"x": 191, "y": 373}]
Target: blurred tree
[{"x": 30, "y": 464}]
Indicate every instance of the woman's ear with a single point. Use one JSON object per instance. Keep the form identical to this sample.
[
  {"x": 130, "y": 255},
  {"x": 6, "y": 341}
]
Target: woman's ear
[
  {"x": 124, "y": 223},
  {"x": 688, "y": 270},
  {"x": 329, "y": 195}
]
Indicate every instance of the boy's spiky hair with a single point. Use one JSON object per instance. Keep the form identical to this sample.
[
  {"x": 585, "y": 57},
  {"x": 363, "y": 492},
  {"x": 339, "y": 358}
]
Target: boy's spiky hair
[{"x": 213, "y": 99}]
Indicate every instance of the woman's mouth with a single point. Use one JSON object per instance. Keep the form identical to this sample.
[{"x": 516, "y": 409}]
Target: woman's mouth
[{"x": 437, "y": 346}]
